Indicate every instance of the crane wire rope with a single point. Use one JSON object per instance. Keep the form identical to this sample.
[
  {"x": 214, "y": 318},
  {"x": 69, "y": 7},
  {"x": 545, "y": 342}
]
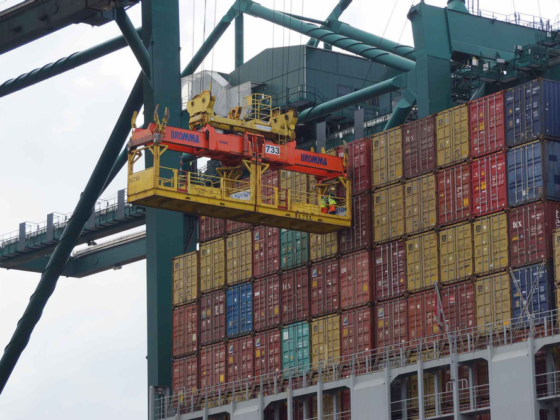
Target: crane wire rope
[
  {"x": 213, "y": 48},
  {"x": 288, "y": 63},
  {"x": 283, "y": 46},
  {"x": 192, "y": 55},
  {"x": 300, "y": 55},
  {"x": 273, "y": 36},
  {"x": 202, "y": 79}
]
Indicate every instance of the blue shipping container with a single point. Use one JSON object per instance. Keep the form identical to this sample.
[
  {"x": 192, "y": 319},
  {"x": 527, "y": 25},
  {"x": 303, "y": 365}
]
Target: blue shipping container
[
  {"x": 239, "y": 309},
  {"x": 532, "y": 112},
  {"x": 533, "y": 172},
  {"x": 296, "y": 347},
  {"x": 531, "y": 291}
]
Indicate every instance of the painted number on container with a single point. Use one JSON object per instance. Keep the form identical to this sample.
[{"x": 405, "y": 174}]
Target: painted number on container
[{"x": 272, "y": 150}]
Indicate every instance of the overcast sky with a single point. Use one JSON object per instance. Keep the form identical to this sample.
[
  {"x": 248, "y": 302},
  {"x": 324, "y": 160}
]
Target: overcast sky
[{"x": 86, "y": 358}]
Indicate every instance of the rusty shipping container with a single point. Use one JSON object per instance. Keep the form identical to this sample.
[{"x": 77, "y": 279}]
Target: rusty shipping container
[
  {"x": 530, "y": 228},
  {"x": 295, "y": 295},
  {"x": 422, "y": 314},
  {"x": 210, "y": 228},
  {"x": 359, "y": 236},
  {"x": 239, "y": 257},
  {"x": 420, "y": 204},
  {"x": 185, "y": 330},
  {"x": 391, "y": 322},
  {"x": 356, "y": 332},
  {"x": 487, "y": 125},
  {"x": 387, "y": 157},
  {"x": 325, "y": 287},
  {"x": 422, "y": 261},
  {"x": 489, "y": 184},
  {"x": 493, "y": 300},
  {"x": 325, "y": 339},
  {"x": 294, "y": 248},
  {"x": 212, "y": 317},
  {"x": 456, "y": 253},
  {"x": 459, "y": 306},
  {"x": 356, "y": 279},
  {"x": 185, "y": 278},
  {"x": 491, "y": 246},
  {"x": 323, "y": 246},
  {"x": 454, "y": 194},
  {"x": 419, "y": 144},
  {"x": 452, "y": 136},
  {"x": 390, "y": 270},
  {"x": 388, "y": 214},
  {"x": 213, "y": 365},
  {"x": 212, "y": 265},
  {"x": 266, "y": 303},
  {"x": 185, "y": 375},
  {"x": 268, "y": 352},
  {"x": 266, "y": 251},
  {"x": 359, "y": 165},
  {"x": 240, "y": 359}
]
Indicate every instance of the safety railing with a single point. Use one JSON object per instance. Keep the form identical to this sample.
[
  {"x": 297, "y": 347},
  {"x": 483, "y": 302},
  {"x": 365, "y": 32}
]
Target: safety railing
[
  {"x": 343, "y": 415},
  {"x": 548, "y": 384},
  {"x": 521, "y": 19}
]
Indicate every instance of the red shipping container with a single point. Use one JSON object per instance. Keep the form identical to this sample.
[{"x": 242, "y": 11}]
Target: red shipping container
[
  {"x": 268, "y": 352},
  {"x": 530, "y": 236},
  {"x": 391, "y": 323},
  {"x": 269, "y": 181},
  {"x": 325, "y": 287},
  {"x": 422, "y": 316},
  {"x": 185, "y": 330},
  {"x": 489, "y": 184},
  {"x": 266, "y": 251},
  {"x": 459, "y": 306},
  {"x": 240, "y": 356},
  {"x": 359, "y": 236},
  {"x": 213, "y": 369},
  {"x": 419, "y": 142},
  {"x": 346, "y": 404},
  {"x": 233, "y": 226},
  {"x": 487, "y": 125},
  {"x": 185, "y": 375},
  {"x": 295, "y": 295},
  {"x": 359, "y": 165},
  {"x": 356, "y": 279},
  {"x": 390, "y": 270},
  {"x": 356, "y": 331},
  {"x": 454, "y": 194},
  {"x": 212, "y": 317},
  {"x": 210, "y": 228},
  {"x": 266, "y": 303}
]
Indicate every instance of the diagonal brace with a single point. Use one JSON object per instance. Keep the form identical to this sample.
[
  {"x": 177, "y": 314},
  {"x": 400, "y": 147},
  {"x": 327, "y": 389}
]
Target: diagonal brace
[{"x": 134, "y": 41}]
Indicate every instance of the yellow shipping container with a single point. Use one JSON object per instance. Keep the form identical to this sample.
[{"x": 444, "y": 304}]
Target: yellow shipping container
[
  {"x": 388, "y": 213},
  {"x": 452, "y": 134},
  {"x": 323, "y": 246},
  {"x": 328, "y": 406},
  {"x": 429, "y": 393},
  {"x": 556, "y": 239},
  {"x": 297, "y": 183},
  {"x": 387, "y": 157},
  {"x": 325, "y": 338},
  {"x": 422, "y": 261},
  {"x": 493, "y": 300},
  {"x": 239, "y": 257},
  {"x": 456, "y": 253},
  {"x": 185, "y": 278},
  {"x": 420, "y": 197},
  {"x": 490, "y": 243},
  {"x": 212, "y": 265}
]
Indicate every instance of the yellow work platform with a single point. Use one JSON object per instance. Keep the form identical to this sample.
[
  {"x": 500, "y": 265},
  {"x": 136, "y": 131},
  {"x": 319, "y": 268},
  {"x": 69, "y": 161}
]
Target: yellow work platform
[{"x": 229, "y": 197}]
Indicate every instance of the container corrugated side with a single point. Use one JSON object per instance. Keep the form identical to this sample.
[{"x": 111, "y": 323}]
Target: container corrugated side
[
  {"x": 422, "y": 261},
  {"x": 329, "y": 410},
  {"x": 459, "y": 306},
  {"x": 239, "y": 248},
  {"x": 388, "y": 214},
  {"x": 420, "y": 204},
  {"x": 356, "y": 279},
  {"x": 294, "y": 248},
  {"x": 533, "y": 172},
  {"x": 185, "y": 330},
  {"x": 233, "y": 226},
  {"x": 323, "y": 246},
  {"x": 359, "y": 236},
  {"x": 213, "y": 365},
  {"x": 359, "y": 165},
  {"x": 419, "y": 144},
  {"x": 212, "y": 265},
  {"x": 295, "y": 295},
  {"x": 452, "y": 136},
  {"x": 240, "y": 359},
  {"x": 296, "y": 351},
  {"x": 266, "y": 303},
  {"x": 268, "y": 352},
  {"x": 325, "y": 287},
  {"x": 487, "y": 125},
  {"x": 356, "y": 332},
  {"x": 185, "y": 375},
  {"x": 422, "y": 308},
  {"x": 531, "y": 289},
  {"x": 266, "y": 251},
  {"x": 489, "y": 184},
  {"x": 456, "y": 253},
  {"x": 212, "y": 317},
  {"x": 297, "y": 183},
  {"x": 529, "y": 232},
  {"x": 429, "y": 391},
  {"x": 493, "y": 300},
  {"x": 391, "y": 322},
  {"x": 556, "y": 240},
  {"x": 210, "y": 228},
  {"x": 454, "y": 194},
  {"x": 325, "y": 339},
  {"x": 185, "y": 278},
  {"x": 239, "y": 309},
  {"x": 387, "y": 157},
  {"x": 390, "y": 270},
  {"x": 491, "y": 245}
]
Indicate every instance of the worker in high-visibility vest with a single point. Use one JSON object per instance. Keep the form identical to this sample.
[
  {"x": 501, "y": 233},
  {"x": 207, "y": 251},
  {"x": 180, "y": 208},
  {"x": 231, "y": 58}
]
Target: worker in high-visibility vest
[{"x": 328, "y": 203}]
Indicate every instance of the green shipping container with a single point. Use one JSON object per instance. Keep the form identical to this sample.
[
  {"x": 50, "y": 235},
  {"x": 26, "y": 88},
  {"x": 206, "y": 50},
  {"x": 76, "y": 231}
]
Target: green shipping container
[
  {"x": 295, "y": 346},
  {"x": 294, "y": 249}
]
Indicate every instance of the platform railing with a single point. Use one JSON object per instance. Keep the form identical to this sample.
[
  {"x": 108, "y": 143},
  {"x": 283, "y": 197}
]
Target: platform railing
[
  {"x": 548, "y": 384},
  {"x": 521, "y": 19}
]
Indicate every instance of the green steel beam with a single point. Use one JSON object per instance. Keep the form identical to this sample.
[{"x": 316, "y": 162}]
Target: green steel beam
[
  {"x": 239, "y": 40},
  {"x": 335, "y": 14},
  {"x": 133, "y": 40},
  {"x": 71, "y": 234},
  {"x": 457, "y": 5},
  {"x": 63, "y": 65},
  {"x": 401, "y": 111}
]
